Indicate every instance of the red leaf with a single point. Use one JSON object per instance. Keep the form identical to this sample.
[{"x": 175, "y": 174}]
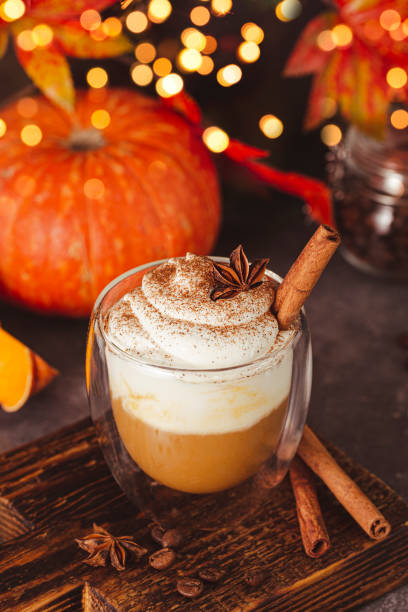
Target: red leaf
[
  {"x": 58, "y": 10},
  {"x": 77, "y": 42},
  {"x": 185, "y": 105},
  {"x": 241, "y": 152},
  {"x": 307, "y": 57}
]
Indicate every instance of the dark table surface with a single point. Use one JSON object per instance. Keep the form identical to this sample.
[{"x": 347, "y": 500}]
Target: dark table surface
[{"x": 360, "y": 383}]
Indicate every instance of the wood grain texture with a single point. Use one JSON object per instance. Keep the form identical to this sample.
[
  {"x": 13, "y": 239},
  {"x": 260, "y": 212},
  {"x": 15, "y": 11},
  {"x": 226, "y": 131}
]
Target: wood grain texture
[{"x": 61, "y": 484}]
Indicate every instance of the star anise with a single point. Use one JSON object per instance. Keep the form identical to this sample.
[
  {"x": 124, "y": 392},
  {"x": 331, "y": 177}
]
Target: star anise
[
  {"x": 100, "y": 545},
  {"x": 238, "y": 276}
]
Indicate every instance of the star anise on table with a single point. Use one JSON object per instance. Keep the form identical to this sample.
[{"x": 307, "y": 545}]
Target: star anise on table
[
  {"x": 101, "y": 546},
  {"x": 238, "y": 276}
]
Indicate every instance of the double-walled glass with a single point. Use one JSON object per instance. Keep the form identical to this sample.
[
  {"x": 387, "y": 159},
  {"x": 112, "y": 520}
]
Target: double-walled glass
[{"x": 171, "y": 434}]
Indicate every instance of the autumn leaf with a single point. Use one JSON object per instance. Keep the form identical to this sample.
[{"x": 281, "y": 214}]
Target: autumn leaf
[
  {"x": 57, "y": 10},
  {"x": 3, "y": 42},
  {"x": 76, "y": 42}
]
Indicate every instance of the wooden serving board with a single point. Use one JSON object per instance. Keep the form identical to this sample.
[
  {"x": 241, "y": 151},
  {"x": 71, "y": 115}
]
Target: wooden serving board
[{"x": 53, "y": 489}]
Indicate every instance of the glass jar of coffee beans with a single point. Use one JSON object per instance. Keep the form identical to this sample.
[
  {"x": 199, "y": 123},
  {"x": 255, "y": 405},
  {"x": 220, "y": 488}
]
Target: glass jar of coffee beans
[{"x": 369, "y": 181}]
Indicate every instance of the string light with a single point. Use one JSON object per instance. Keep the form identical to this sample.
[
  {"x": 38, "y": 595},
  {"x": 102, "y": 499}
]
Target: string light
[
  {"x": 31, "y": 135},
  {"x": 142, "y": 74},
  {"x": 249, "y": 52},
  {"x": 193, "y": 39},
  {"x": 162, "y": 66},
  {"x": 229, "y": 75},
  {"x": 252, "y": 33},
  {"x": 271, "y": 126},
  {"x": 207, "y": 65},
  {"x": 112, "y": 26},
  {"x": 42, "y": 35},
  {"x": 215, "y": 139},
  {"x": 27, "y": 107},
  {"x": 325, "y": 40},
  {"x": 145, "y": 52},
  {"x": 159, "y": 10},
  {"x": 210, "y": 45},
  {"x": 189, "y": 59},
  {"x": 221, "y": 7},
  {"x": 390, "y": 19},
  {"x": 90, "y": 20},
  {"x": 342, "y": 35},
  {"x": 100, "y": 119},
  {"x": 200, "y": 15},
  {"x": 170, "y": 85},
  {"x": 94, "y": 189},
  {"x": 331, "y": 135},
  {"x": 3, "y": 128},
  {"x": 397, "y": 78},
  {"x": 25, "y": 40},
  {"x": 136, "y": 22},
  {"x": 290, "y": 9},
  {"x": 12, "y": 10},
  {"x": 399, "y": 119},
  {"x": 97, "y": 77}
]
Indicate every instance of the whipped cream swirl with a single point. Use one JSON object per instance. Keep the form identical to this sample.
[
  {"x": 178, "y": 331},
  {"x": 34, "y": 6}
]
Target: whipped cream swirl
[{"x": 172, "y": 320}]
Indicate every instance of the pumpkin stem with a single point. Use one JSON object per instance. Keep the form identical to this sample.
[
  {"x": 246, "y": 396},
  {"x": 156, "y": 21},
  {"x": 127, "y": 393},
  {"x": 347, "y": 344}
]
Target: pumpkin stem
[{"x": 86, "y": 139}]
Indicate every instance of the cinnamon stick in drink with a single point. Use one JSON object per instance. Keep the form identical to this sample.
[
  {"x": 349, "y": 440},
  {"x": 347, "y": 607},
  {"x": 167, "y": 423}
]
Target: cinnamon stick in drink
[
  {"x": 311, "y": 523},
  {"x": 304, "y": 274},
  {"x": 348, "y": 493}
]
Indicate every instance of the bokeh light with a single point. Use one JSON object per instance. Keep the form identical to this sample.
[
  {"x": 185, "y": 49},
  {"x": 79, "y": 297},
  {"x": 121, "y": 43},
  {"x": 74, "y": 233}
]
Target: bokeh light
[
  {"x": 216, "y": 139},
  {"x": 325, "y": 40},
  {"x": 100, "y": 119},
  {"x": 189, "y": 59},
  {"x": 193, "y": 39},
  {"x": 42, "y": 35},
  {"x": 210, "y": 45},
  {"x": 331, "y": 135},
  {"x": 207, "y": 65},
  {"x": 229, "y": 75},
  {"x": 25, "y": 40},
  {"x": 342, "y": 35},
  {"x": 399, "y": 119},
  {"x": 200, "y": 15},
  {"x": 159, "y": 10},
  {"x": 397, "y": 77},
  {"x": 170, "y": 85},
  {"x": 94, "y": 189},
  {"x": 279, "y": 14},
  {"x": 3, "y": 128},
  {"x": 97, "y": 77},
  {"x": 372, "y": 30},
  {"x": 390, "y": 19},
  {"x": 90, "y": 20},
  {"x": 145, "y": 52},
  {"x": 136, "y": 22},
  {"x": 12, "y": 10},
  {"x": 221, "y": 7},
  {"x": 142, "y": 74},
  {"x": 271, "y": 126},
  {"x": 162, "y": 66},
  {"x": 98, "y": 34},
  {"x": 27, "y": 107},
  {"x": 112, "y": 26},
  {"x": 249, "y": 52},
  {"x": 31, "y": 135},
  {"x": 252, "y": 33},
  {"x": 290, "y": 9}
]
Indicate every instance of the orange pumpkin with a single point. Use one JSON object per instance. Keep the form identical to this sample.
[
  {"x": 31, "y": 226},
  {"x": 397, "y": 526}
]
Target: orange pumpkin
[{"x": 84, "y": 204}]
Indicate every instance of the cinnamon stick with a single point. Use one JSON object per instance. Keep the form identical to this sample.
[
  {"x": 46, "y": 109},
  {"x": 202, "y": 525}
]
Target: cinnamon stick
[
  {"x": 304, "y": 274},
  {"x": 311, "y": 523},
  {"x": 348, "y": 493}
]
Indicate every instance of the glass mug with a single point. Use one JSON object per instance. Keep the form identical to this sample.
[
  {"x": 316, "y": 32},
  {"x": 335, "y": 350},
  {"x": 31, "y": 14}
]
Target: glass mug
[{"x": 175, "y": 437}]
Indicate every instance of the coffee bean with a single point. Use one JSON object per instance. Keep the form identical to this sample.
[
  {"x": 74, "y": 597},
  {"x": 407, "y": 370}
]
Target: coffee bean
[
  {"x": 172, "y": 538},
  {"x": 157, "y": 534},
  {"x": 189, "y": 587},
  {"x": 211, "y": 574},
  {"x": 402, "y": 340},
  {"x": 162, "y": 559},
  {"x": 255, "y": 577}
]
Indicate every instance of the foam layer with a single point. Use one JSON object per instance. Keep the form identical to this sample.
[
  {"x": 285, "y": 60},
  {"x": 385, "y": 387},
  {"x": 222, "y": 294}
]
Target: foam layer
[{"x": 172, "y": 319}]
